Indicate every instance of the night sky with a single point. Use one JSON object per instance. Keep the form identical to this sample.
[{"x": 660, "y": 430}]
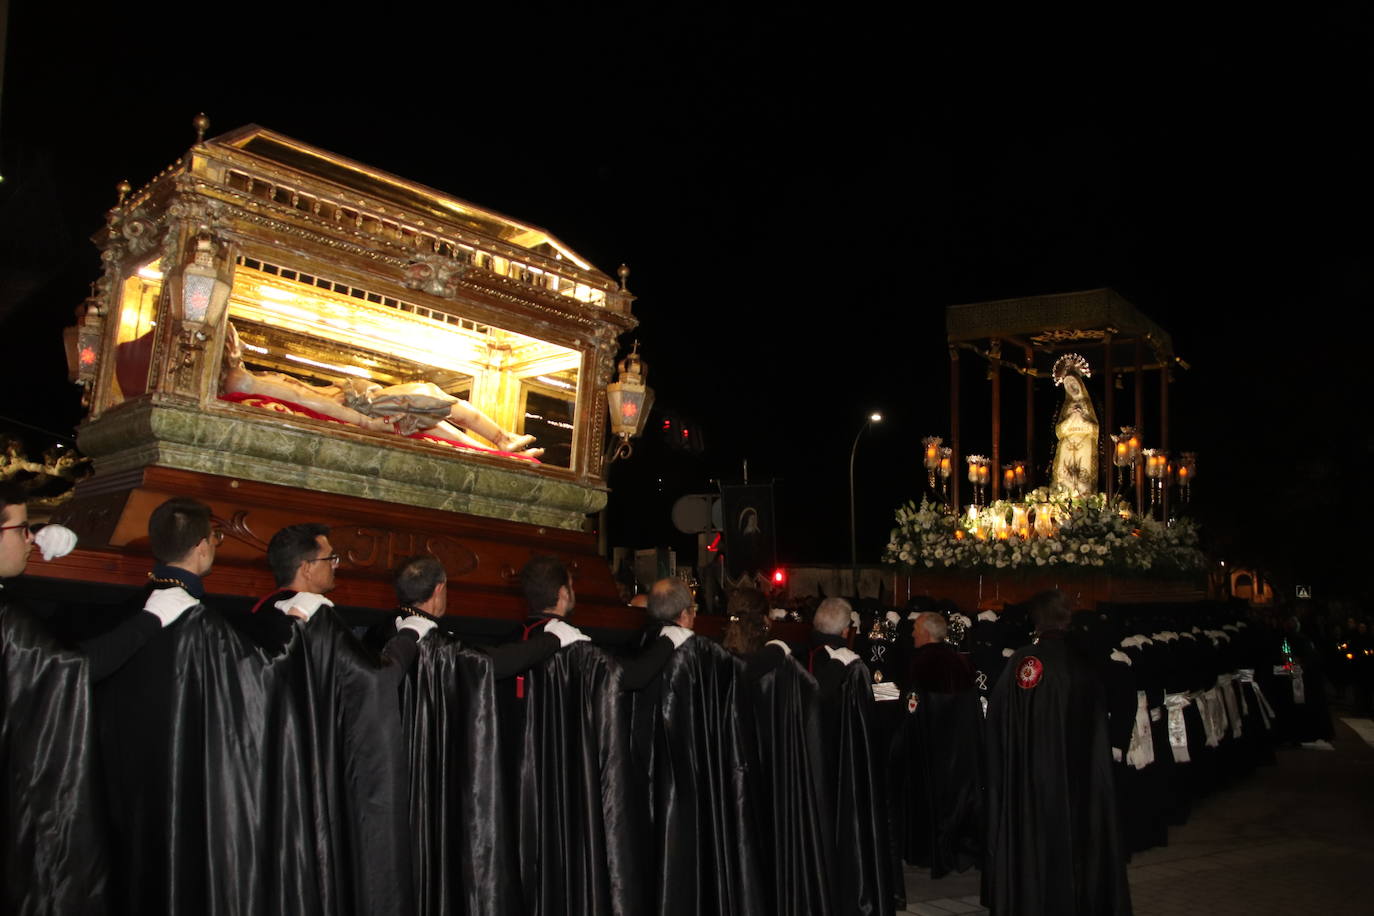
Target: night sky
[{"x": 798, "y": 197}]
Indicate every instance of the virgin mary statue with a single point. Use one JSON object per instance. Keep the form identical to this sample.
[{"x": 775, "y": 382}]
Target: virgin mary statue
[{"x": 1075, "y": 457}]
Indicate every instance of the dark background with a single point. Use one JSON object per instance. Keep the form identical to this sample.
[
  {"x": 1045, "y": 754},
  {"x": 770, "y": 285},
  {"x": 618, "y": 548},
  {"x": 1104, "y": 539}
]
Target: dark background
[{"x": 799, "y": 195}]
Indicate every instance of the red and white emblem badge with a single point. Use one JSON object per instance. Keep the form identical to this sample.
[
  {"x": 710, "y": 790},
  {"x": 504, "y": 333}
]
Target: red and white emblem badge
[
  {"x": 911, "y": 703},
  {"x": 1028, "y": 675}
]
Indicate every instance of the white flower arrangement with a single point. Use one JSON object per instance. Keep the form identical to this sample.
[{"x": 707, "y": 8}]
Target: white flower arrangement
[{"x": 1087, "y": 533}]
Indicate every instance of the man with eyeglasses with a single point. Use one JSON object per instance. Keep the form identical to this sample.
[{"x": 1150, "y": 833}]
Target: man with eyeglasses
[
  {"x": 303, "y": 563},
  {"x": 15, "y": 538},
  {"x": 47, "y": 772}
]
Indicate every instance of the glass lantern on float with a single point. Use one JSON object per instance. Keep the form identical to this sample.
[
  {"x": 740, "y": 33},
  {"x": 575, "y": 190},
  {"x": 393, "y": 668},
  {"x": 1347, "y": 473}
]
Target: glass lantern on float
[
  {"x": 979, "y": 473},
  {"x": 931, "y": 458},
  {"x": 82, "y": 342},
  {"x": 946, "y": 468},
  {"x": 1187, "y": 471},
  {"x": 200, "y": 292},
  {"x": 1125, "y": 454},
  {"x": 1156, "y": 468},
  {"x": 628, "y": 400}
]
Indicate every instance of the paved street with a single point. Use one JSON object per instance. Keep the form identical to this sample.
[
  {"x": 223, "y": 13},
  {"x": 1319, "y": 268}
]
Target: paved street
[{"x": 1297, "y": 837}]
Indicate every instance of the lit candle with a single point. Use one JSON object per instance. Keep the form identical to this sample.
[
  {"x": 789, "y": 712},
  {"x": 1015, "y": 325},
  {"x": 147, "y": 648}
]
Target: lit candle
[
  {"x": 932, "y": 452},
  {"x": 1044, "y": 520},
  {"x": 1020, "y": 522}
]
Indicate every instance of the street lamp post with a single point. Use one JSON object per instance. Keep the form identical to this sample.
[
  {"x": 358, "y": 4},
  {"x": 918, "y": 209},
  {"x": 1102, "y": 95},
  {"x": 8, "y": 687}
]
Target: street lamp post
[{"x": 874, "y": 417}]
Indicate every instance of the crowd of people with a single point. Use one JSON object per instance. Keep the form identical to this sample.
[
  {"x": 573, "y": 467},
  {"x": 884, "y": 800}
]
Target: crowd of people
[{"x": 188, "y": 758}]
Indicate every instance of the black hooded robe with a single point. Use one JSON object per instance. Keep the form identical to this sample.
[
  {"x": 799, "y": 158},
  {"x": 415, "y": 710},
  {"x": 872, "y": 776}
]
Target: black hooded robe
[{"x": 1053, "y": 846}]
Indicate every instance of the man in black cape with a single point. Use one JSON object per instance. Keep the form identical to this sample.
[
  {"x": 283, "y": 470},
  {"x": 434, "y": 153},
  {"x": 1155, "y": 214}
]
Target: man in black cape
[
  {"x": 464, "y": 852},
  {"x": 853, "y": 797},
  {"x": 797, "y": 845},
  {"x": 133, "y": 698},
  {"x": 53, "y": 857},
  {"x": 1053, "y": 846},
  {"x": 936, "y": 766},
  {"x": 704, "y": 849},
  {"x": 285, "y": 776},
  {"x": 565, "y": 749}
]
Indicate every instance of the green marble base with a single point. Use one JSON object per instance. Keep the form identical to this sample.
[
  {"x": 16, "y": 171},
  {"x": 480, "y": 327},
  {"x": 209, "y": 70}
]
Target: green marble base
[{"x": 233, "y": 443}]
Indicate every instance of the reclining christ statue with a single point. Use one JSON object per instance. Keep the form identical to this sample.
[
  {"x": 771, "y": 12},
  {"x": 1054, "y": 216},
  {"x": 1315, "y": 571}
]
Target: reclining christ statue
[{"x": 405, "y": 409}]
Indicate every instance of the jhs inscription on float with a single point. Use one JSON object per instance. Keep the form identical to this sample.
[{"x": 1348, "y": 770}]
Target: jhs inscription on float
[{"x": 384, "y": 548}]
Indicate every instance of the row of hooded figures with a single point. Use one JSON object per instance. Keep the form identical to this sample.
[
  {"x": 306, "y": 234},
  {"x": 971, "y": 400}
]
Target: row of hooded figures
[
  {"x": 184, "y": 757},
  {"x": 1191, "y": 697}
]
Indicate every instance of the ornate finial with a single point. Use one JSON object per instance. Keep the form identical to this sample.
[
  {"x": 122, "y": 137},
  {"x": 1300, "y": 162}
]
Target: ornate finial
[
  {"x": 1070, "y": 362},
  {"x": 624, "y": 273},
  {"x": 201, "y": 124},
  {"x": 123, "y": 189}
]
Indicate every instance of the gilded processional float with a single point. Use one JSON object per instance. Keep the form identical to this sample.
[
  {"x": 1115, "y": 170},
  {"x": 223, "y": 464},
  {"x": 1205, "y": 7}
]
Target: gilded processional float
[
  {"x": 289, "y": 336},
  {"x": 1104, "y": 519}
]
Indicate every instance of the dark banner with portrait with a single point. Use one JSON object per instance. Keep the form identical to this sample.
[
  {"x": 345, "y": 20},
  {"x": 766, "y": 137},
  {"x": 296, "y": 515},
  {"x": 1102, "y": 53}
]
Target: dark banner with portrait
[{"x": 750, "y": 536}]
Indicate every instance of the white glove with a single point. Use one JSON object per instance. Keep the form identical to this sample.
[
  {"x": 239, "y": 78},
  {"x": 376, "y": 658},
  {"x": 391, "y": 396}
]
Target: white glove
[
  {"x": 420, "y": 626},
  {"x": 777, "y": 613},
  {"x": 55, "y": 541},
  {"x": 1119, "y": 656},
  {"x": 678, "y": 635},
  {"x": 855, "y": 620},
  {"x": 167, "y": 604},
  {"x": 845, "y": 657},
  {"x": 892, "y": 617},
  {"x": 786, "y": 649},
  {"x": 303, "y": 604},
  {"x": 1008, "y": 653},
  {"x": 567, "y": 633}
]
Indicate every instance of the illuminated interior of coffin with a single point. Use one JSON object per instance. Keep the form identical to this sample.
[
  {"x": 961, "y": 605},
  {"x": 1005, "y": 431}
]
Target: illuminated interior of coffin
[{"x": 301, "y": 344}]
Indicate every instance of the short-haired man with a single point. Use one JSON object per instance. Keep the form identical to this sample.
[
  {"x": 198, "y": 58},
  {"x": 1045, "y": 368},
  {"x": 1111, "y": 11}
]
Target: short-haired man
[
  {"x": 183, "y": 543},
  {"x": 671, "y": 603},
  {"x": 53, "y": 857},
  {"x": 829, "y": 653},
  {"x": 672, "y": 613},
  {"x": 303, "y": 563},
  {"x": 16, "y": 540},
  {"x": 937, "y": 666},
  {"x": 421, "y": 585}
]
